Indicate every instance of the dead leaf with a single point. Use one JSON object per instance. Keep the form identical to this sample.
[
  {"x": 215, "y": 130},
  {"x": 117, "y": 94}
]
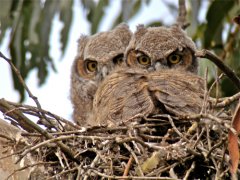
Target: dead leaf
[{"x": 233, "y": 142}]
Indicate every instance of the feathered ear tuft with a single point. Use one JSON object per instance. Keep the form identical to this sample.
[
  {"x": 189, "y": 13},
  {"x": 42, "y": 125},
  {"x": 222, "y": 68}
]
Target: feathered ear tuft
[
  {"x": 82, "y": 41},
  {"x": 123, "y": 31},
  {"x": 141, "y": 30}
]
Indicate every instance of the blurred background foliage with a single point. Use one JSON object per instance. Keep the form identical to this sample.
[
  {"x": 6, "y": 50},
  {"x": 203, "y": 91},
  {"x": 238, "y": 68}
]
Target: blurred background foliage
[{"x": 30, "y": 23}]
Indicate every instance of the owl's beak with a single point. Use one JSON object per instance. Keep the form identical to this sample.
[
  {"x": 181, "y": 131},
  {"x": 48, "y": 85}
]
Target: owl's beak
[
  {"x": 157, "y": 65},
  {"x": 104, "y": 71}
]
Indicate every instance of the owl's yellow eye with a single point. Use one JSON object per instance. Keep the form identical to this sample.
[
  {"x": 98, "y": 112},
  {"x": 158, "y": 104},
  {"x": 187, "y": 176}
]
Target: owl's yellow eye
[
  {"x": 144, "y": 60},
  {"x": 118, "y": 59},
  {"x": 91, "y": 65},
  {"x": 174, "y": 58}
]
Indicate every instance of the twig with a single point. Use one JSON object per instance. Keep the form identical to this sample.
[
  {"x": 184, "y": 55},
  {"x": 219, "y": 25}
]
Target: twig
[
  {"x": 63, "y": 172},
  {"x": 16, "y": 71},
  {"x": 32, "y": 108},
  {"x": 215, "y": 82},
  {"x": 199, "y": 138},
  {"x": 25, "y": 122},
  {"x": 189, "y": 171},
  {"x": 28, "y": 166},
  {"x": 163, "y": 169},
  {"x": 29, "y": 122},
  {"x": 127, "y": 168},
  {"x": 219, "y": 63},
  {"x": 227, "y": 101},
  {"x": 215, "y": 146},
  {"x": 131, "y": 177},
  {"x": 129, "y": 139},
  {"x": 176, "y": 130},
  {"x": 135, "y": 158},
  {"x": 211, "y": 117},
  {"x": 91, "y": 166}
]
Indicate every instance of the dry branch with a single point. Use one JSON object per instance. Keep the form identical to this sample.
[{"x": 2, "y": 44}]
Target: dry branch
[{"x": 219, "y": 63}]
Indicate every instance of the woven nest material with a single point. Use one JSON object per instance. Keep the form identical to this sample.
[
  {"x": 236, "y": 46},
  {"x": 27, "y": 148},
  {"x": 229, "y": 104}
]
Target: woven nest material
[{"x": 157, "y": 147}]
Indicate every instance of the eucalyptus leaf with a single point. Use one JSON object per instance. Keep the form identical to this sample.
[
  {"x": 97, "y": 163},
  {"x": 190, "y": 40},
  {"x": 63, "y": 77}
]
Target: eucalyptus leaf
[
  {"x": 44, "y": 28},
  {"x": 98, "y": 13},
  {"x": 66, "y": 14},
  {"x": 5, "y": 17},
  {"x": 155, "y": 24},
  {"x": 128, "y": 10},
  {"x": 18, "y": 42},
  {"x": 215, "y": 17}
]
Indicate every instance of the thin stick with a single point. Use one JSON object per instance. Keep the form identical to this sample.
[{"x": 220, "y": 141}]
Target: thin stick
[
  {"x": 176, "y": 130},
  {"x": 91, "y": 166},
  {"x": 20, "y": 78},
  {"x": 211, "y": 117},
  {"x": 131, "y": 177},
  {"x": 135, "y": 158},
  {"x": 30, "y": 124},
  {"x": 32, "y": 108},
  {"x": 189, "y": 171},
  {"x": 28, "y": 166},
  {"x": 227, "y": 101},
  {"x": 129, "y": 164},
  {"x": 219, "y": 63}
]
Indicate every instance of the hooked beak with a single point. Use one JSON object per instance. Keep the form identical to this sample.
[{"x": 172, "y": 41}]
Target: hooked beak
[{"x": 104, "y": 72}]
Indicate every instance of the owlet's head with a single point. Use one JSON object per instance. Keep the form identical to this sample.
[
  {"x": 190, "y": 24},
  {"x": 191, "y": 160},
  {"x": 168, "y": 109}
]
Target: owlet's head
[
  {"x": 157, "y": 48},
  {"x": 102, "y": 52}
]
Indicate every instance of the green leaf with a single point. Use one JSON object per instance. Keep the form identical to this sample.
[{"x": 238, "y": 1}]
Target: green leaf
[
  {"x": 228, "y": 88},
  {"x": 40, "y": 51},
  {"x": 66, "y": 17},
  {"x": 97, "y": 14},
  {"x": 5, "y": 18},
  {"x": 215, "y": 17},
  {"x": 155, "y": 24},
  {"x": 192, "y": 16},
  {"x": 129, "y": 10},
  {"x": 18, "y": 42}
]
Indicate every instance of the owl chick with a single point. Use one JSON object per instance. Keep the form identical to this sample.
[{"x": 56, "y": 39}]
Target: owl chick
[
  {"x": 160, "y": 78},
  {"x": 97, "y": 56},
  {"x": 157, "y": 48},
  {"x": 134, "y": 93}
]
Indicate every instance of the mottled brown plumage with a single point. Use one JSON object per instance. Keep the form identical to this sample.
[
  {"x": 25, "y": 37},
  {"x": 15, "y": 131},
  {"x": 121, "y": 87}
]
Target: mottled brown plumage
[
  {"x": 136, "y": 93},
  {"x": 97, "y": 56},
  {"x": 157, "y": 45},
  {"x": 160, "y": 78}
]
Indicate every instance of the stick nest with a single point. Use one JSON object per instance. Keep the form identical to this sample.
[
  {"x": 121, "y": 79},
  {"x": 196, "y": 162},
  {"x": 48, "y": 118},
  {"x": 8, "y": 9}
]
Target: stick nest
[{"x": 156, "y": 147}]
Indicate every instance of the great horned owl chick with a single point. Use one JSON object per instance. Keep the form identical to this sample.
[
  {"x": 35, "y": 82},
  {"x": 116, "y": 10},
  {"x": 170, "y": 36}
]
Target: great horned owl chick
[
  {"x": 160, "y": 78},
  {"x": 135, "y": 93},
  {"x": 97, "y": 55},
  {"x": 157, "y": 48}
]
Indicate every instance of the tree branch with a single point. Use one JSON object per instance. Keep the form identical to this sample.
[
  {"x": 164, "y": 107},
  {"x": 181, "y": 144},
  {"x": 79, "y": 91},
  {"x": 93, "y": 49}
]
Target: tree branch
[{"x": 219, "y": 63}]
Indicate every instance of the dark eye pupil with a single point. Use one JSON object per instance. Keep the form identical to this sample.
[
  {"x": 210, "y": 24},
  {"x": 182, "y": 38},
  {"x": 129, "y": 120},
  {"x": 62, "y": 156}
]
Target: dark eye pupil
[
  {"x": 93, "y": 65},
  {"x": 144, "y": 59},
  {"x": 118, "y": 59},
  {"x": 174, "y": 58}
]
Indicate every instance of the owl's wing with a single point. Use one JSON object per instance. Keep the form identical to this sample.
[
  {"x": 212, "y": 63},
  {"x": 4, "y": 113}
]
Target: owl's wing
[
  {"x": 127, "y": 95},
  {"x": 121, "y": 97},
  {"x": 179, "y": 93}
]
